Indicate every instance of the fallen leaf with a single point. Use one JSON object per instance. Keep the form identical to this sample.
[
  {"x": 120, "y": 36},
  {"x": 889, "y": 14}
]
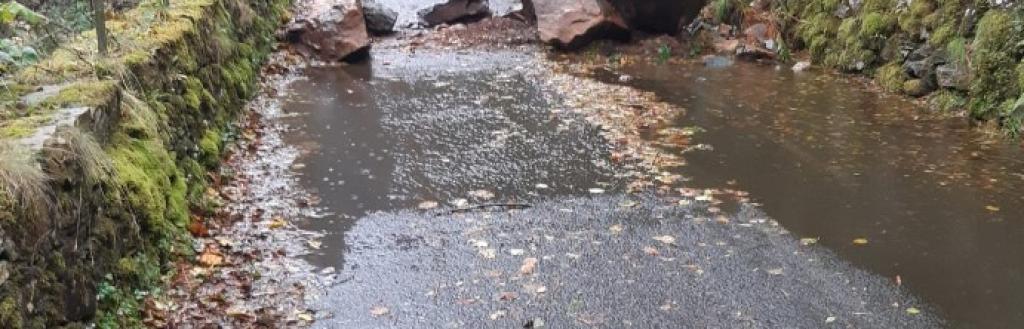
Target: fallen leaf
[
  {"x": 775, "y": 271},
  {"x": 627, "y": 204},
  {"x": 830, "y": 319},
  {"x": 529, "y": 265},
  {"x": 379, "y": 310},
  {"x": 913, "y": 311},
  {"x": 277, "y": 223},
  {"x": 507, "y": 296},
  {"x": 615, "y": 228},
  {"x": 482, "y": 194},
  {"x": 305, "y": 316},
  {"x": 542, "y": 186},
  {"x": 596, "y": 190},
  {"x": 425, "y": 205},
  {"x": 210, "y": 259},
  {"x": 315, "y": 244},
  {"x": 459, "y": 203},
  {"x": 808, "y": 241},
  {"x": 488, "y": 253},
  {"x": 992, "y": 208},
  {"x": 860, "y": 241},
  {"x": 666, "y": 239}
]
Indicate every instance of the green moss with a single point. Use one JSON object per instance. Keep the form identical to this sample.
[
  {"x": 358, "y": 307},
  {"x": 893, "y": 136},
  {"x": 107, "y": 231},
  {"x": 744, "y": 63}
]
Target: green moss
[
  {"x": 209, "y": 148},
  {"x": 947, "y": 101},
  {"x": 1020, "y": 76},
  {"x": 876, "y": 25},
  {"x": 992, "y": 58},
  {"x": 890, "y": 77},
  {"x": 914, "y": 88},
  {"x": 10, "y": 313},
  {"x": 942, "y": 35},
  {"x": 957, "y": 50},
  {"x": 153, "y": 183},
  {"x": 22, "y": 127}
]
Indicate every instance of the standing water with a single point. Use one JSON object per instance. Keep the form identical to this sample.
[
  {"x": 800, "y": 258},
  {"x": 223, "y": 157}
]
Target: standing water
[{"x": 940, "y": 204}]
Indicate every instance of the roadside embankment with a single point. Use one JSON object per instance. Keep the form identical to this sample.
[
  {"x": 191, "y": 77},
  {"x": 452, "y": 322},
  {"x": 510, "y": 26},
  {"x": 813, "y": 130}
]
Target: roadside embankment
[{"x": 106, "y": 158}]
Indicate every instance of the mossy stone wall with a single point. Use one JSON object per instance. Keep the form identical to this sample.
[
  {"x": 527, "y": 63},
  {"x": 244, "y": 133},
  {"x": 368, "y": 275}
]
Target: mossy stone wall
[{"x": 164, "y": 110}]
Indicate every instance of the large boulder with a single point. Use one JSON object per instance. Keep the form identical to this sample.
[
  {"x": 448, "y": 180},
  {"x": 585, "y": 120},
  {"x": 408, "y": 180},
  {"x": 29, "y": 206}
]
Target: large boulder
[
  {"x": 380, "y": 20},
  {"x": 455, "y": 11},
  {"x": 571, "y": 24},
  {"x": 661, "y": 16},
  {"x": 331, "y": 30}
]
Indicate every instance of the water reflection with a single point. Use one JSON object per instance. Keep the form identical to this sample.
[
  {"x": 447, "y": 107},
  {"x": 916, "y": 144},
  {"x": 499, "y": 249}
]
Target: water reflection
[{"x": 941, "y": 204}]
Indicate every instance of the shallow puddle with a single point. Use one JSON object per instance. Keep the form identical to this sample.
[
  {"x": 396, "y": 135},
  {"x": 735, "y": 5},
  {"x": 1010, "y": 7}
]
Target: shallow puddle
[{"x": 941, "y": 205}]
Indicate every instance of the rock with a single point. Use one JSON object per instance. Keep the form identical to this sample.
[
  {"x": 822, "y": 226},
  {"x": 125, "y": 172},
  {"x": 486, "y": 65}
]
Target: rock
[
  {"x": 715, "y": 61},
  {"x": 916, "y": 88},
  {"x": 757, "y": 32},
  {"x": 571, "y": 24},
  {"x": 801, "y": 66},
  {"x": 5, "y": 272},
  {"x": 331, "y": 30},
  {"x": 726, "y": 46},
  {"x": 751, "y": 52},
  {"x": 455, "y": 11},
  {"x": 952, "y": 75},
  {"x": 380, "y": 20}
]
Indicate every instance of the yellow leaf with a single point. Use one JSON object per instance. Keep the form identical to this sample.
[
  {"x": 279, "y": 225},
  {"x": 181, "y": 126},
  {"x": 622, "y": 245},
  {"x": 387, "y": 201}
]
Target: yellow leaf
[
  {"x": 992, "y": 208},
  {"x": 277, "y": 223},
  {"x": 913, "y": 311},
  {"x": 209, "y": 259},
  {"x": 860, "y": 241}
]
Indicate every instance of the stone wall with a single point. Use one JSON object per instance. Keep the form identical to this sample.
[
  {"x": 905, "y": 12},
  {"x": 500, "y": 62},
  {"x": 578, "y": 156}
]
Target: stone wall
[{"x": 125, "y": 154}]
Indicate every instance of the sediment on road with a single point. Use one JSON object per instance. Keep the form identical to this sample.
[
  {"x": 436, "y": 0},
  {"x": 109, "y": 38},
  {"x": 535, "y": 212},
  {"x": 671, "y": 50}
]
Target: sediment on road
[{"x": 106, "y": 158}]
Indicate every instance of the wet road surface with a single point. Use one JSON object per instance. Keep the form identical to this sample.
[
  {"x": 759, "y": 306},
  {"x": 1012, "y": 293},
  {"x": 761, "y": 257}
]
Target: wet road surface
[
  {"x": 941, "y": 204},
  {"x": 462, "y": 129}
]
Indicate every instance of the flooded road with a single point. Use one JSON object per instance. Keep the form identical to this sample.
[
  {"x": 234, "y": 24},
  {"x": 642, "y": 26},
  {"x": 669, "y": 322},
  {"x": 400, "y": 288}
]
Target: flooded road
[
  {"x": 458, "y": 191},
  {"x": 941, "y": 205}
]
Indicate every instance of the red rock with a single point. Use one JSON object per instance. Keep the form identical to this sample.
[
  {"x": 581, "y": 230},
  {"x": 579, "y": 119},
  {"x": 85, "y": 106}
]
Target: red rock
[
  {"x": 331, "y": 30},
  {"x": 571, "y": 24}
]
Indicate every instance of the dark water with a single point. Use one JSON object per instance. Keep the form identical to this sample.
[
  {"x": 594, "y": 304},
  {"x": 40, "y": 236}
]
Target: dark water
[{"x": 829, "y": 159}]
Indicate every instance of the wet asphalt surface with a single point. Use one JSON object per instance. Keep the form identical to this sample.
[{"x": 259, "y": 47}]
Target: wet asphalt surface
[{"x": 382, "y": 138}]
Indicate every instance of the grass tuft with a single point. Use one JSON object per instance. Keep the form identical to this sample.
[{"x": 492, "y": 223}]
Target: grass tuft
[{"x": 23, "y": 179}]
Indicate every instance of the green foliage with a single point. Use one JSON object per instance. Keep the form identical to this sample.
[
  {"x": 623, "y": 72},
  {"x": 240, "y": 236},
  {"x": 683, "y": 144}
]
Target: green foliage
[
  {"x": 118, "y": 307},
  {"x": 890, "y": 77},
  {"x": 1020, "y": 76},
  {"x": 13, "y": 11},
  {"x": 10, "y": 313},
  {"x": 956, "y": 49},
  {"x": 664, "y": 53},
  {"x": 992, "y": 57},
  {"x": 947, "y": 101},
  {"x": 22, "y": 177},
  {"x": 13, "y": 55}
]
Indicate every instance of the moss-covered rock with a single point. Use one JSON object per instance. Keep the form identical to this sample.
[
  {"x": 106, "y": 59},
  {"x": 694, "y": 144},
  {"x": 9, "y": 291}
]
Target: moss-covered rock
[
  {"x": 915, "y": 88},
  {"x": 993, "y": 58},
  {"x": 890, "y": 77}
]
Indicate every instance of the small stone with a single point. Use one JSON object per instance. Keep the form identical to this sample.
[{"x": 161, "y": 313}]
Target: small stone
[{"x": 801, "y": 66}]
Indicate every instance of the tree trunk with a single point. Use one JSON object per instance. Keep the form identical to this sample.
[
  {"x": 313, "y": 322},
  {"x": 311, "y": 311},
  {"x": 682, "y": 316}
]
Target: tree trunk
[{"x": 100, "y": 19}]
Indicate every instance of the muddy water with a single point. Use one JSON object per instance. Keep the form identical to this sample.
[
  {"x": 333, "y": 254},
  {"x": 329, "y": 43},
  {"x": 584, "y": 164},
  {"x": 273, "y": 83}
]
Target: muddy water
[{"x": 941, "y": 205}]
